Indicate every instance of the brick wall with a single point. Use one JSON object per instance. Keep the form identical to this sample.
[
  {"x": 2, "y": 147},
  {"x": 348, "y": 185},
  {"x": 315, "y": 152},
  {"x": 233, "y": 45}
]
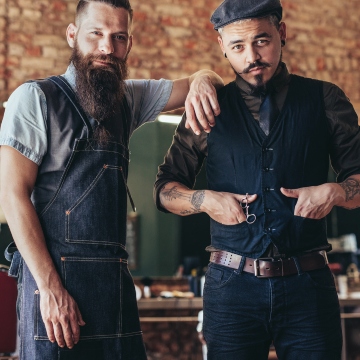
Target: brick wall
[{"x": 174, "y": 38}]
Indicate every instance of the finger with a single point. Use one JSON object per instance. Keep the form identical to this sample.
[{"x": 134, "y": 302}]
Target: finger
[
  {"x": 214, "y": 105},
  {"x": 75, "y": 329},
  {"x": 68, "y": 335},
  {"x": 50, "y": 331},
  {"x": 207, "y": 109},
  {"x": 80, "y": 319},
  {"x": 201, "y": 117},
  {"x": 241, "y": 217},
  {"x": 250, "y": 198},
  {"x": 199, "y": 113},
  {"x": 191, "y": 121},
  {"x": 59, "y": 336},
  {"x": 293, "y": 193}
]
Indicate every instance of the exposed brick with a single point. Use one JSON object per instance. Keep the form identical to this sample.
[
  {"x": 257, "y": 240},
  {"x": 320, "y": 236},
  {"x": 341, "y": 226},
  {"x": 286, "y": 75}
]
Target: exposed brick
[
  {"x": 173, "y": 38},
  {"x": 37, "y": 63}
]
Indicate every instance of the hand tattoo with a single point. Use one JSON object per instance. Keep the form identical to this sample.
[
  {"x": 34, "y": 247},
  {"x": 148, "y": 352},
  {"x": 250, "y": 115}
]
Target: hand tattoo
[{"x": 351, "y": 187}]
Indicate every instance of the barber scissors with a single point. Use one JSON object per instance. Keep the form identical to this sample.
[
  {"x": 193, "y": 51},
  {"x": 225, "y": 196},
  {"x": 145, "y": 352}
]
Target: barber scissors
[{"x": 250, "y": 218}]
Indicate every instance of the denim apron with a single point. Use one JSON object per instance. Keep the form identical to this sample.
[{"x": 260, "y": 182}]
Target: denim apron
[{"x": 85, "y": 230}]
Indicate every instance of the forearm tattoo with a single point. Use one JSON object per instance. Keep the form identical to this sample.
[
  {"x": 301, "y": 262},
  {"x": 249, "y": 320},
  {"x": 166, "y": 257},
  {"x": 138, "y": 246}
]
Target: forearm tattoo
[
  {"x": 351, "y": 187},
  {"x": 174, "y": 193},
  {"x": 197, "y": 199}
]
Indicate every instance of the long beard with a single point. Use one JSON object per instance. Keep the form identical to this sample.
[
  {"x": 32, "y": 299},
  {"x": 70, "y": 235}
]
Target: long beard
[{"x": 100, "y": 90}]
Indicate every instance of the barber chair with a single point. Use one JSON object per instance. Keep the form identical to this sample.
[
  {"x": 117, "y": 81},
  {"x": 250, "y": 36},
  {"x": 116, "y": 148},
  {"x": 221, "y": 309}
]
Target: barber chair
[{"x": 8, "y": 318}]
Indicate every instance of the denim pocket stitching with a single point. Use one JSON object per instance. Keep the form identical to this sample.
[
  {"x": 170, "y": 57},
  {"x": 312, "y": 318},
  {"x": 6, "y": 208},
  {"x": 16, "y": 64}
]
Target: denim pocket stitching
[
  {"x": 316, "y": 284},
  {"x": 62, "y": 180},
  {"x": 210, "y": 287},
  {"x": 79, "y": 201}
]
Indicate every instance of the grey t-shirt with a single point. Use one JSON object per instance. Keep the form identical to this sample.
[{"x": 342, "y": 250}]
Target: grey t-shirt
[{"x": 24, "y": 126}]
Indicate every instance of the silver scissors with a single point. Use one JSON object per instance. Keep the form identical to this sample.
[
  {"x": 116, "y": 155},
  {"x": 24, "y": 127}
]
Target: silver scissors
[{"x": 250, "y": 218}]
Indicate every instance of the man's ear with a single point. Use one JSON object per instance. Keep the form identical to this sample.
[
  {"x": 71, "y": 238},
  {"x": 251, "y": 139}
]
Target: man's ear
[
  {"x": 220, "y": 41},
  {"x": 71, "y": 34},
  {"x": 282, "y": 32}
]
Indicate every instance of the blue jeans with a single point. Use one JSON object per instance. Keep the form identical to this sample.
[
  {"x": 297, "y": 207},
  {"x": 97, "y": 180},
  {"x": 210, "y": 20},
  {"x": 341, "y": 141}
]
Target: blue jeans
[{"x": 244, "y": 314}]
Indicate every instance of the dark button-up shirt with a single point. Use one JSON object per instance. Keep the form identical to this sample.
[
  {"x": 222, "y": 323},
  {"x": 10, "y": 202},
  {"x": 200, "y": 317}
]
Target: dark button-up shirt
[{"x": 185, "y": 157}]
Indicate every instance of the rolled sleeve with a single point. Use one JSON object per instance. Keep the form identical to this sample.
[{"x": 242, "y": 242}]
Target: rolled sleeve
[
  {"x": 146, "y": 99},
  {"x": 24, "y": 123},
  {"x": 344, "y": 132},
  {"x": 183, "y": 160}
]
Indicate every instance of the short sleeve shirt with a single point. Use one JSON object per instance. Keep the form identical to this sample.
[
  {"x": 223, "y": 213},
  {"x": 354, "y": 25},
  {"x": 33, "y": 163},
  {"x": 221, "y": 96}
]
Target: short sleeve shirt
[{"x": 24, "y": 123}]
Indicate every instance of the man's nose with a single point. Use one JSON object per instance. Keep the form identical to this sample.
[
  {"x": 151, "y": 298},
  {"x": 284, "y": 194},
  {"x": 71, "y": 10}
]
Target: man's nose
[
  {"x": 252, "y": 55},
  {"x": 106, "y": 45}
]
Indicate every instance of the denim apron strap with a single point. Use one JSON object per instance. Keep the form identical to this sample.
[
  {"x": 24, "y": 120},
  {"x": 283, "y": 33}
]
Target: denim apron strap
[{"x": 66, "y": 88}]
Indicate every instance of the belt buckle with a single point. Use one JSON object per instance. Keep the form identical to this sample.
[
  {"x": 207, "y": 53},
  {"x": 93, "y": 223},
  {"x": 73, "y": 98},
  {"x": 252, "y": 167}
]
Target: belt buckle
[{"x": 257, "y": 267}]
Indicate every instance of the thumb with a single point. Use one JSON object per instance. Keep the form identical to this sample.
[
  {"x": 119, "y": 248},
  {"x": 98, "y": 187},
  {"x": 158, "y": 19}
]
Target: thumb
[
  {"x": 293, "y": 193},
  {"x": 251, "y": 198}
]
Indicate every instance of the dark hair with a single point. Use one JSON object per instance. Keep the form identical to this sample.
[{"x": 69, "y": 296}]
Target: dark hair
[{"x": 125, "y": 4}]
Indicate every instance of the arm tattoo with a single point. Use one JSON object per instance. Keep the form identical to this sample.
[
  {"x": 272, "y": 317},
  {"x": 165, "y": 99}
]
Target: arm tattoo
[
  {"x": 351, "y": 187},
  {"x": 197, "y": 199},
  {"x": 174, "y": 193},
  {"x": 187, "y": 212}
]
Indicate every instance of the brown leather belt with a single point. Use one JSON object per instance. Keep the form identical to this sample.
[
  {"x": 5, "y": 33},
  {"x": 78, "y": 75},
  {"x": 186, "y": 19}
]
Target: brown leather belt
[{"x": 271, "y": 267}]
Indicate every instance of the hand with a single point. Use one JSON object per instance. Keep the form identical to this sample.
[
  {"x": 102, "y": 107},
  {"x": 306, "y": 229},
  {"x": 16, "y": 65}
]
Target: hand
[
  {"x": 61, "y": 316},
  {"x": 201, "y": 105},
  {"x": 314, "y": 202},
  {"x": 225, "y": 208}
]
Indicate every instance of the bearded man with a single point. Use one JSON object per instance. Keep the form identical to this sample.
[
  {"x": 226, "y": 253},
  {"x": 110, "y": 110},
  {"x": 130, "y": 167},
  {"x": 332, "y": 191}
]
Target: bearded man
[
  {"x": 63, "y": 188},
  {"x": 268, "y": 195}
]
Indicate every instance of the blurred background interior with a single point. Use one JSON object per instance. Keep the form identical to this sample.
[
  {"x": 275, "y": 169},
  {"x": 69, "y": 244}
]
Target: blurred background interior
[{"x": 172, "y": 39}]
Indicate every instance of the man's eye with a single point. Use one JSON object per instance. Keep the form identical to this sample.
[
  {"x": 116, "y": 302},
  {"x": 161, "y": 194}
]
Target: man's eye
[
  {"x": 120, "y": 37},
  {"x": 96, "y": 32},
  {"x": 262, "y": 42},
  {"x": 237, "y": 47}
]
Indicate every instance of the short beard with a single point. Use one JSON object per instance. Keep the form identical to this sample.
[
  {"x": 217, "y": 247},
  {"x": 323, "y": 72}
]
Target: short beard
[
  {"x": 260, "y": 85},
  {"x": 100, "y": 90}
]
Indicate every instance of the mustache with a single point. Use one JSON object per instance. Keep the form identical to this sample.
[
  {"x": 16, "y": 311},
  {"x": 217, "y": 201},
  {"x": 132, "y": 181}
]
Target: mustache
[
  {"x": 255, "y": 64},
  {"x": 109, "y": 59}
]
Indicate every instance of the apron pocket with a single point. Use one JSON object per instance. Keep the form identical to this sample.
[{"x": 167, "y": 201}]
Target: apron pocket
[
  {"x": 95, "y": 284},
  {"x": 103, "y": 203}
]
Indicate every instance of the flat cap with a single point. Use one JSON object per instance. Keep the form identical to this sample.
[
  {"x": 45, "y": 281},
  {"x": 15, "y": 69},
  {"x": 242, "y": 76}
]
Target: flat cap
[{"x": 232, "y": 10}]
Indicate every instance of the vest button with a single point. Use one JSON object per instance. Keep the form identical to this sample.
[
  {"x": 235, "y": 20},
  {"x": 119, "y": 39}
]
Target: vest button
[
  {"x": 267, "y": 189},
  {"x": 268, "y": 230},
  {"x": 268, "y": 210},
  {"x": 266, "y": 169}
]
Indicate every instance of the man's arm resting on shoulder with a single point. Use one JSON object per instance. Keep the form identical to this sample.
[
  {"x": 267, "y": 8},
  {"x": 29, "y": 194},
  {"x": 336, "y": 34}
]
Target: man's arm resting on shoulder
[
  {"x": 223, "y": 207},
  {"x": 58, "y": 309},
  {"x": 198, "y": 93},
  {"x": 316, "y": 202}
]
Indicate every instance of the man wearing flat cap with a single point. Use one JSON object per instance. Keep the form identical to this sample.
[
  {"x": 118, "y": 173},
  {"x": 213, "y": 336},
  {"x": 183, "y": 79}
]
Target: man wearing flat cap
[{"x": 268, "y": 195}]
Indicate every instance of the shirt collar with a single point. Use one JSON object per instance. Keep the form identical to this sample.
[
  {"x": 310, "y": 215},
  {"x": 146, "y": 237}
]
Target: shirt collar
[
  {"x": 276, "y": 83},
  {"x": 70, "y": 76}
]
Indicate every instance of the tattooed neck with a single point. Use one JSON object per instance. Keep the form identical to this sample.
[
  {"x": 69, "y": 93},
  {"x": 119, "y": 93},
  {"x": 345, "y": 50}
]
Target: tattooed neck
[{"x": 351, "y": 187}]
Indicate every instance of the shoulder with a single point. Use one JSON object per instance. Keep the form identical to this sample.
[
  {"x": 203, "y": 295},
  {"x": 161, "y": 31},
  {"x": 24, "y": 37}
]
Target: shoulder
[
  {"x": 223, "y": 92},
  {"x": 28, "y": 90},
  {"x": 132, "y": 87},
  {"x": 305, "y": 81}
]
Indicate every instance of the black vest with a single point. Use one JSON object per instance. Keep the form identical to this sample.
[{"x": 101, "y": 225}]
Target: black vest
[{"x": 242, "y": 159}]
